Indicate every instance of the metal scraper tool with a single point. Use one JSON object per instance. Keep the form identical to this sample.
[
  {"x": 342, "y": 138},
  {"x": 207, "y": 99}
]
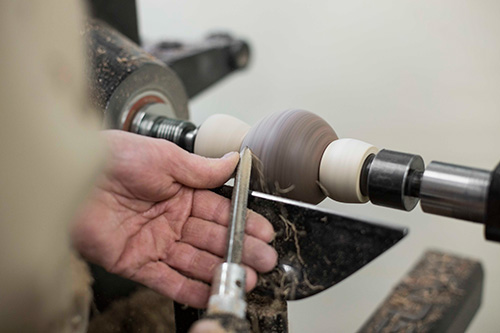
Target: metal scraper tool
[{"x": 228, "y": 285}]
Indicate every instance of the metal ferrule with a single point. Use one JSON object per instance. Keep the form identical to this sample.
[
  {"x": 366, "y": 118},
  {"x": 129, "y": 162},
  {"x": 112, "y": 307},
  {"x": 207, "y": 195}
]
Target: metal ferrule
[
  {"x": 228, "y": 290},
  {"x": 455, "y": 191},
  {"x": 180, "y": 132}
]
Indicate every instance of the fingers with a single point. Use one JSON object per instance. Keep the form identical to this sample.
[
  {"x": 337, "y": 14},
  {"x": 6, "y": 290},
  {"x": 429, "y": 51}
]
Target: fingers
[
  {"x": 197, "y": 171},
  {"x": 211, "y": 237},
  {"x": 199, "y": 264},
  {"x": 213, "y": 207},
  {"x": 167, "y": 281},
  {"x": 170, "y": 282},
  {"x": 139, "y": 160}
]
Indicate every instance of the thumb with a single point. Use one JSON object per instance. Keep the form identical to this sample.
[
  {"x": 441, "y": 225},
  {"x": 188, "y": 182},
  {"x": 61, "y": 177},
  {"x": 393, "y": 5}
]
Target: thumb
[{"x": 201, "y": 172}]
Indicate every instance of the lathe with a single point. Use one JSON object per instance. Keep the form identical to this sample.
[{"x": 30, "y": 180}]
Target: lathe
[{"x": 298, "y": 162}]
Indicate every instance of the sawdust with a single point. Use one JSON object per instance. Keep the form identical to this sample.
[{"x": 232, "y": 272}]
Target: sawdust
[
  {"x": 259, "y": 180},
  {"x": 310, "y": 285},
  {"x": 290, "y": 229},
  {"x": 267, "y": 314},
  {"x": 287, "y": 288},
  {"x": 290, "y": 226},
  {"x": 254, "y": 323},
  {"x": 287, "y": 228},
  {"x": 283, "y": 190},
  {"x": 323, "y": 188}
]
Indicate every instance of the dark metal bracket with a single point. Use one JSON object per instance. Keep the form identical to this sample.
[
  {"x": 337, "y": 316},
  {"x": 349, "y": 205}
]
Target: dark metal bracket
[{"x": 201, "y": 65}]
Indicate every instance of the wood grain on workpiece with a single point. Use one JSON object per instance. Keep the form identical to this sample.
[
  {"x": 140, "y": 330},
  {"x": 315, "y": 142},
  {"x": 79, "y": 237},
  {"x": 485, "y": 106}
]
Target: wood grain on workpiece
[{"x": 290, "y": 145}]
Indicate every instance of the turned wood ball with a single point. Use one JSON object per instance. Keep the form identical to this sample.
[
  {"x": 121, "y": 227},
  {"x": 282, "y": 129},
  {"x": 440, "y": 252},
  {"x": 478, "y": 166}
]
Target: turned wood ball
[{"x": 289, "y": 146}]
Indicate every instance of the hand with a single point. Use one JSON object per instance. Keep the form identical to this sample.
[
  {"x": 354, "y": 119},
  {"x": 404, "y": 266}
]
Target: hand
[{"x": 151, "y": 220}]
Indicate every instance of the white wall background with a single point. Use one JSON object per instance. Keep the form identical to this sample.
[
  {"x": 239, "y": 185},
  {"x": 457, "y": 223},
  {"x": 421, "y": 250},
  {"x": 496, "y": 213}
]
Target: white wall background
[{"x": 415, "y": 76}]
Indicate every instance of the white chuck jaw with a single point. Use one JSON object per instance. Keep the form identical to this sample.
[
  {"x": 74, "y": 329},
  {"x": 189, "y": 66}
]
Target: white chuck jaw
[
  {"x": 341, "y": 167},
  {"x": 219, "y": 135}
]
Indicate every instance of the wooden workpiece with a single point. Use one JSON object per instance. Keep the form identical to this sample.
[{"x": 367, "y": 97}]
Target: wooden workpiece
[
  {"x": 297, "y": 155},
  {"x": 219, "y": 135},
  {"x": 290, "y": 145},
  {"x": 341, "y": 168}
]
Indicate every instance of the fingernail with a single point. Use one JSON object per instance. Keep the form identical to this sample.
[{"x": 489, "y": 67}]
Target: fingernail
[{"x": 229, "y": 155}]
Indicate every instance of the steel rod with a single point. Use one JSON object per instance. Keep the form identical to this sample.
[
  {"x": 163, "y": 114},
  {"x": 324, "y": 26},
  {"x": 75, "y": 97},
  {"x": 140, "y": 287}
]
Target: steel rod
[{"x": 239, "y": 201}]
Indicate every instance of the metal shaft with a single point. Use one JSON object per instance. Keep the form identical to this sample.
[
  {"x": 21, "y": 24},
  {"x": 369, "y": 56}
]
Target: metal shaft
[
  {"x": 455, "y": 191},
  {"x": 151, "y": 122},
  {"x": 228, "y": 285},
  {"x": 239, "y": 202},
  {"x": 399, "y": 180}
]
